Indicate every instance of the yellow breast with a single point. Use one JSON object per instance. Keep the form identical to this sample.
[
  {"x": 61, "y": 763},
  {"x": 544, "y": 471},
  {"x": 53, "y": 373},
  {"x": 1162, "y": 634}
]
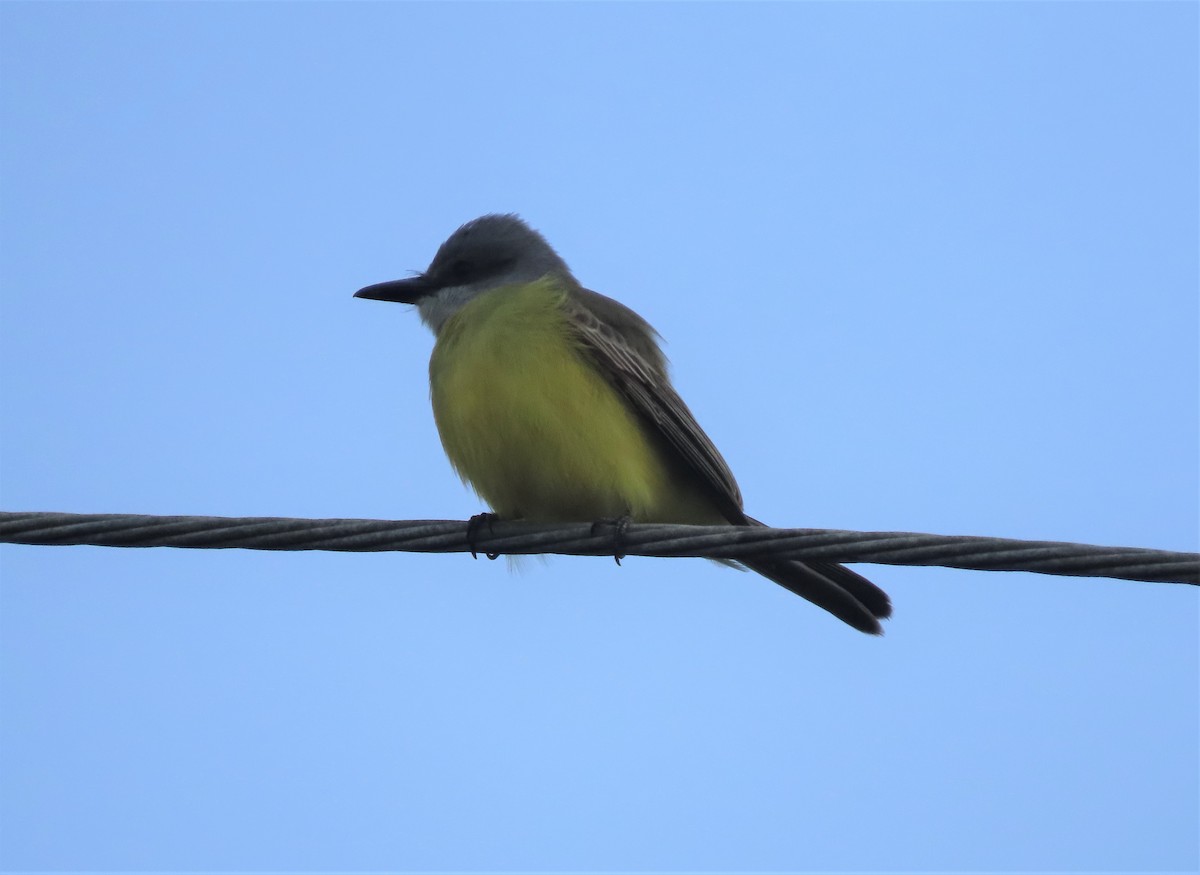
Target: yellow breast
[{"x": 532, "y": 425}]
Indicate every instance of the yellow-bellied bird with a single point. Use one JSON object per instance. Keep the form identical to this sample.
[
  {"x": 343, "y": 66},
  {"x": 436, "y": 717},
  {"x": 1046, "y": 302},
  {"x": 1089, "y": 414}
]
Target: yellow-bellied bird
[{"x": 555, "y": 404}]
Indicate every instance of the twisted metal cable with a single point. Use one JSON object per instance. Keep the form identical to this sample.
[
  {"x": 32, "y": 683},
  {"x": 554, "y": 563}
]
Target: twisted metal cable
[{"x": 583, "y": 539}]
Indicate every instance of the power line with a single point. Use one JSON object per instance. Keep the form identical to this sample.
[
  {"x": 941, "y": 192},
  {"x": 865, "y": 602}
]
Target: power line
[{"x": 583, "y": 539}]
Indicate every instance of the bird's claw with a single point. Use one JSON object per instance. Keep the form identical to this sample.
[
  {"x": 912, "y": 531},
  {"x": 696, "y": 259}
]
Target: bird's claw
[
  {"x": 619, "y": 525},
  {"x": 473, "y": 526}
]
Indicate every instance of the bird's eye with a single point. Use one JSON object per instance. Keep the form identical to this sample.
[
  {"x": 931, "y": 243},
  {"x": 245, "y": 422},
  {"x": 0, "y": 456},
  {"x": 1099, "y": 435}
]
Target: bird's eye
[{"x": 460, "y": 269}]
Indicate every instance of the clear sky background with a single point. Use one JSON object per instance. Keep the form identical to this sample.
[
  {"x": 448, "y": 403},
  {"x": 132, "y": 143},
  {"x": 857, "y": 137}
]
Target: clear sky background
[{"x": 920, "y": 266}]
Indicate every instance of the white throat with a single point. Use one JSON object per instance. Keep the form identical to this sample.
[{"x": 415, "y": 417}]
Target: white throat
[{"x": 435, "y": 309}]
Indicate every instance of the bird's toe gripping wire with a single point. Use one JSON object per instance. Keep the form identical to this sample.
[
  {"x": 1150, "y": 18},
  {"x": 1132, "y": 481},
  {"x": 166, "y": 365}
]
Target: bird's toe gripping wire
[
  {"x": 474, "y": 524},
  {"x": 619, "y": 526}
]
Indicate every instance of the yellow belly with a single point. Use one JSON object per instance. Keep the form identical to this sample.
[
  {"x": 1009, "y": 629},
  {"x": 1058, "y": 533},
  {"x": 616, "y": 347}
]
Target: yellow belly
[{"x": 535, "y": 429}]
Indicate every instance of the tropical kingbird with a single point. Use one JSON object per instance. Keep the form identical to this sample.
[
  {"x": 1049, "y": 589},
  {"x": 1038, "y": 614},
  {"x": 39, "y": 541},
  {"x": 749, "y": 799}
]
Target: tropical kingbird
[{"x": 555, "y": 404}]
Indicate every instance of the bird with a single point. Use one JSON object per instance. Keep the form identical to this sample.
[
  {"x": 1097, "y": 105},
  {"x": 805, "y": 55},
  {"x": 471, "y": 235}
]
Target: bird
[{"x": 554, "y": 403}]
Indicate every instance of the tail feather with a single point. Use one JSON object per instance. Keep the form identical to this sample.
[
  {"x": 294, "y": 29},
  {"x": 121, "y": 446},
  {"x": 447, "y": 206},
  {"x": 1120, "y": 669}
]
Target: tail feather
[
  {"x": 873, "y": 598},
  {"x": 847, "y": 595},
  {"x": 828, "y": 590}
]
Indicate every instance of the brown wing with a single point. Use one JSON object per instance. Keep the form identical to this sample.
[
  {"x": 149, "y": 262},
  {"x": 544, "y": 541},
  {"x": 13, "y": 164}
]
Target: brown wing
[{"x": 625, "y": 349}]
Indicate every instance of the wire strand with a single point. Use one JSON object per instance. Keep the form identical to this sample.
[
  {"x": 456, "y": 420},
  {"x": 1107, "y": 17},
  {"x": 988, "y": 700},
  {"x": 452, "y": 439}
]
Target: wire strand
[{"x": 583, "y": 539}]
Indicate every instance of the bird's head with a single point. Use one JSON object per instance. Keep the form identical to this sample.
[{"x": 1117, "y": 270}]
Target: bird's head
[{"x": 495, "y": 250}]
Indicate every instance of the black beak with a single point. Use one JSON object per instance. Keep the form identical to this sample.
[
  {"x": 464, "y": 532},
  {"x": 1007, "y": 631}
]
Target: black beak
[{"x": 407, "y": 291}]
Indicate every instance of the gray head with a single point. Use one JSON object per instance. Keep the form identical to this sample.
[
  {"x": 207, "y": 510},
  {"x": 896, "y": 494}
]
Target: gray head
[{"x": 486, "y": 253}]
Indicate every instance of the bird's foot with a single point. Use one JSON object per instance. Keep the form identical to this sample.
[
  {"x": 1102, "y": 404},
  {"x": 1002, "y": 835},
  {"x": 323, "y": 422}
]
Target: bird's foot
[
  {"x": 474, "y": 524},
  {"x": 619, "y": 525}
]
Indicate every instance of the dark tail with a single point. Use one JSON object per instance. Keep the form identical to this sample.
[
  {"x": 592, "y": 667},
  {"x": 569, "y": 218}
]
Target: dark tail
[{"x": 848, "y": 596}]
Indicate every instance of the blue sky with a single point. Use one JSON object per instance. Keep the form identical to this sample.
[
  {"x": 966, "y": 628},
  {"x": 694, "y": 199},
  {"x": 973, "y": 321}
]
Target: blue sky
[{"x": 920, "y": 266}]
